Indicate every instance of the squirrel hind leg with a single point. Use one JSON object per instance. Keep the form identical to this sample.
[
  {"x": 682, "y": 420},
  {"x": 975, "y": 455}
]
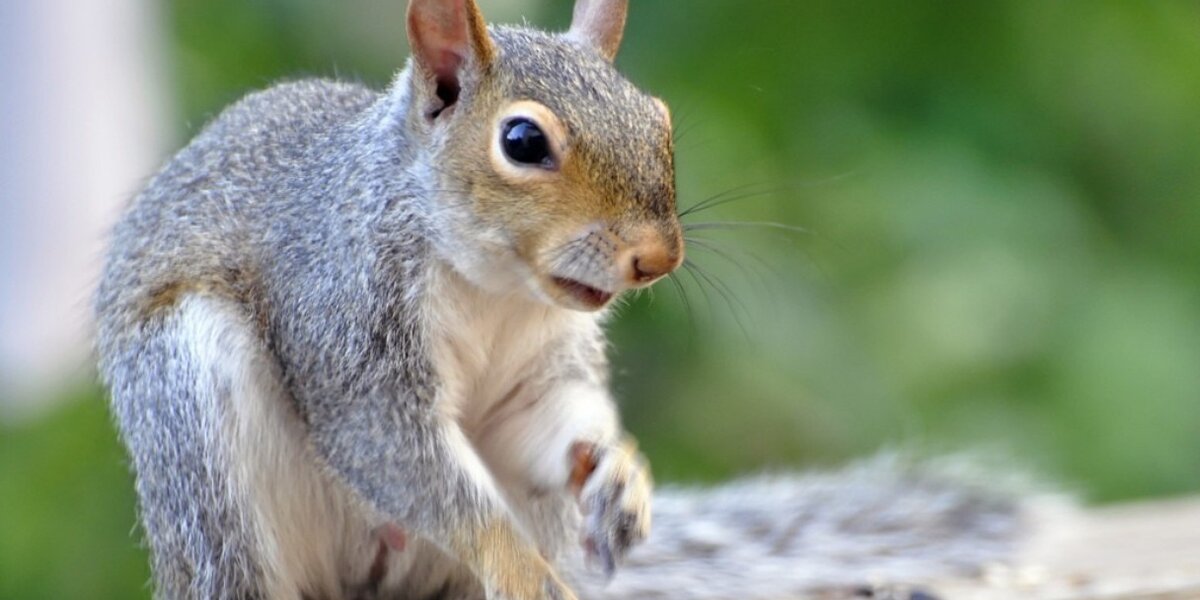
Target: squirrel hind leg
[
  {"x": 232, "y": 503},
  {"x": 168, "y": 402}
]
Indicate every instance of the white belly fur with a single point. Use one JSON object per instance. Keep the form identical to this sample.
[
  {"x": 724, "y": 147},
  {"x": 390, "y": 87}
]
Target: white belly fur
[{"x": 312, "y": 536}]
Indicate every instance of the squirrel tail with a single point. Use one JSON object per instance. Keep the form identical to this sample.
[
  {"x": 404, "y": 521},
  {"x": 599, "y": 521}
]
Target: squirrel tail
[{"x": 873, "y": 530}]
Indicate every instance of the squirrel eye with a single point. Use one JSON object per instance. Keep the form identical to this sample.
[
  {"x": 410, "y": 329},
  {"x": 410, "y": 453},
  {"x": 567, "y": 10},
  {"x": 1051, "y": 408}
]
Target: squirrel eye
[{"x": 525, "y": 143}]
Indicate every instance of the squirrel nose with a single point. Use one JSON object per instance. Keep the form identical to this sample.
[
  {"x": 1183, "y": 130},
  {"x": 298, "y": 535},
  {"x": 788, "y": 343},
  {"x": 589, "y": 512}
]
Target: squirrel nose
[{"x": 651, "y": 262}]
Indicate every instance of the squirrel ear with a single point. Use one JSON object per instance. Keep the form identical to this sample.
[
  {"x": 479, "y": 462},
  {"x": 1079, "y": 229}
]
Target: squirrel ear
[
  {"x": 600, "y": 24},
  {"x": 445, "y": 36}
]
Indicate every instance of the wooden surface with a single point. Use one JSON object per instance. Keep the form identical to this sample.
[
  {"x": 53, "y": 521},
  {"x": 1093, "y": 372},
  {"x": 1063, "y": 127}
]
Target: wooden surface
[{"x": 1145, "y": 551}]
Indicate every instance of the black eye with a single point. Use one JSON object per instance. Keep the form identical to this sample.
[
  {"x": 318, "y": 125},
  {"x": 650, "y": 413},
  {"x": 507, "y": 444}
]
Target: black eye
[{"x": 525, "y": 143}]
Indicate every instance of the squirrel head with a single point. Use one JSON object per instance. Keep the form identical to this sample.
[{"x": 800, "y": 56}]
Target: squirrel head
[{"x": 548, "y": 170}]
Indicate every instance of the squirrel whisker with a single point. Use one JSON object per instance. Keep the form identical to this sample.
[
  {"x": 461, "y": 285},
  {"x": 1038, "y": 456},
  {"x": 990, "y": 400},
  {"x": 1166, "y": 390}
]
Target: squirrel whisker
[
  {"x": 723, "y": 197},
  {"x": 727, "y": 294}
]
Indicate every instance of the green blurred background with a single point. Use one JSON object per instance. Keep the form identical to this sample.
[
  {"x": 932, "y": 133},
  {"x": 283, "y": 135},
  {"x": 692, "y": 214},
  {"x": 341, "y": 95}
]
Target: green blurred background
[{"x": 999, "y": 204}]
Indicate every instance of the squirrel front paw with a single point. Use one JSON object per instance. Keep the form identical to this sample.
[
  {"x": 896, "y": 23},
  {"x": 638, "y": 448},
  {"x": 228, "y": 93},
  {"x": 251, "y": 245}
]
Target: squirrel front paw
[{"x": 614, "y": 488}]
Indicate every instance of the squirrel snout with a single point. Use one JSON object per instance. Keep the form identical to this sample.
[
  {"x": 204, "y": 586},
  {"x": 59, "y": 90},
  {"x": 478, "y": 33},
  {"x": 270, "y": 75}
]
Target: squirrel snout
[{"x": 651, "y": 261}]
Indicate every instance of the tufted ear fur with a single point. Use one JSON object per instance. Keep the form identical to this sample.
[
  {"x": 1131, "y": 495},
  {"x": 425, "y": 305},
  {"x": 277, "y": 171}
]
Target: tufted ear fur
[
  {"x": 447, "y": 37},
  {"x": 600, "y": 24}
]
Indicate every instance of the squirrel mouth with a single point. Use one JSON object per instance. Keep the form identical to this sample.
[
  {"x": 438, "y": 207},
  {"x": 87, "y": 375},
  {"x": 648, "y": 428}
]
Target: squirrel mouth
[{"x": 583, "y": 293}]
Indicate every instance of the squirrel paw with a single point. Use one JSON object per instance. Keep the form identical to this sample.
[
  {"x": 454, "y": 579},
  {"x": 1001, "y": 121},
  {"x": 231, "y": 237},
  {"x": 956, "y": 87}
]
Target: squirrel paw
[{"x": 613, "y": 486}]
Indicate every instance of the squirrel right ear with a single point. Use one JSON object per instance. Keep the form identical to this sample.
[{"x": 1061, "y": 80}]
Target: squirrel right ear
[
  {"x": 447, "y": 36},
  {"x": 600, "y": 24}
]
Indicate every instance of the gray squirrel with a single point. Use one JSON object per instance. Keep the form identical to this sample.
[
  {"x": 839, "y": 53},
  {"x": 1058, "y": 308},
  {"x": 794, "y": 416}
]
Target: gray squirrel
[{"x": 353, "y": 342}]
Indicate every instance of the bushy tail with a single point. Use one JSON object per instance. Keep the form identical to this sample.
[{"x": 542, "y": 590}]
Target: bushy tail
[{"x": 887, "y": 523}]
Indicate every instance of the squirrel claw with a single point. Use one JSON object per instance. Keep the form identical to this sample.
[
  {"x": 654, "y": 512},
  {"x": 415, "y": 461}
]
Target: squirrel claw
[
  {"x": 601, "y": 552},
  {"x": 608, "y": 564},
  {"x": 615, "y": 498}
]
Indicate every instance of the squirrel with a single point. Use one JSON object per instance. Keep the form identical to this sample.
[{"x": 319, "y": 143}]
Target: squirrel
[{"x": 353, "y": 338}]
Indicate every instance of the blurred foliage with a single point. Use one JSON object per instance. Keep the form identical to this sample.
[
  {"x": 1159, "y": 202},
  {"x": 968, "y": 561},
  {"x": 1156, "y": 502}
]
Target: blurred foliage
[
  {"x": 67, "y": 508},
  {"x": 999, "y": 201}
]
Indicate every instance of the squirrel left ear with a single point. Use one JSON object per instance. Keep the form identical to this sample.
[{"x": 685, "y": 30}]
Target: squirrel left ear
[
  {"x": 446, "y": 37},
  {"x": 600, "y": 24}
]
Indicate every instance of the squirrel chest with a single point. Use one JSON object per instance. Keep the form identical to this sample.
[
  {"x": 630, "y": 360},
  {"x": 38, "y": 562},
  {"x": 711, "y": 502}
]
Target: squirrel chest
[{"x": 497, "y": 355}]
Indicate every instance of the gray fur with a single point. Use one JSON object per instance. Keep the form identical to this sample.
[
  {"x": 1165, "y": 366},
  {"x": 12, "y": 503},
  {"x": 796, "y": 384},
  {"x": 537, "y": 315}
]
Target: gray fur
[
  {"x": 308, "y": 206},
  {"x": 308, "y": 211}
]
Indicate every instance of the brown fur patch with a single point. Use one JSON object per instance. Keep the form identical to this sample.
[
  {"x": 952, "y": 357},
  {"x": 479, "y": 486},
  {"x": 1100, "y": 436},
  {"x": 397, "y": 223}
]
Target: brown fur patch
[
  {"x": 168, "y": 295},
  {"x": 583, "y": 464},
  {"x": 236, "y": 284},
  {"x": 500, "y": 557}
]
